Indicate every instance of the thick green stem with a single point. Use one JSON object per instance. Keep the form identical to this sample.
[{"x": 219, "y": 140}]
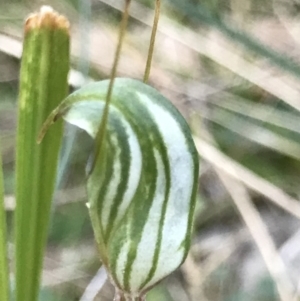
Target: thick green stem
[
  {"x": 152, "y": 41},
  {"x": 43, "y": 85}
]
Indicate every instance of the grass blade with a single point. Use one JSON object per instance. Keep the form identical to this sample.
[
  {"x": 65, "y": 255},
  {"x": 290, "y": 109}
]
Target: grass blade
[
  {"x": 263, "y": 113},
  {"x": 200, "y": 13},
  {"x": 43, "y": 84},
  {"x": 251, "y": 180},
  {"x": 256, "y": 133},
  {"x": 4, "y": 272}
]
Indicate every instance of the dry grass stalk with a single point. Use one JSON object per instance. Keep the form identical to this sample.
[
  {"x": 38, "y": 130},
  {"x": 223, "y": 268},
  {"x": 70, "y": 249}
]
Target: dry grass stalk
[{"x": 260, "y": 234}]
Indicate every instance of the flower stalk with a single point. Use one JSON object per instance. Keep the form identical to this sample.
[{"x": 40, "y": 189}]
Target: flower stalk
[{"x": 152, "y": 41}]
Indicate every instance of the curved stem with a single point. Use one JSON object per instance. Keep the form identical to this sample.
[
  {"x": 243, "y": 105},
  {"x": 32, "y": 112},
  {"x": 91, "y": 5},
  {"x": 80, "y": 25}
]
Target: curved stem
[
  {"x": 102, "y": 129},
  {"x": 152, "y": 41}
]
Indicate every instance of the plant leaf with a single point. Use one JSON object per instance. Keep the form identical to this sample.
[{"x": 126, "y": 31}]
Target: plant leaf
[{"x": 143, "y": 188}]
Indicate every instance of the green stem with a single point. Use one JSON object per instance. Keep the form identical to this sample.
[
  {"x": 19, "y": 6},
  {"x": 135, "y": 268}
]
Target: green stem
[
  {"x": 119, "y": 296},
  {"x": 43, "y": 85},
  {"x": 102, "y": 129},
  {"x": 152, "y": 41}
]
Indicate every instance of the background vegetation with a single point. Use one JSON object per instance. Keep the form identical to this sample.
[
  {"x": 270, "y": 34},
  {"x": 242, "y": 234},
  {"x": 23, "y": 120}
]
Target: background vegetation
[{"x": 232, "y": 68}]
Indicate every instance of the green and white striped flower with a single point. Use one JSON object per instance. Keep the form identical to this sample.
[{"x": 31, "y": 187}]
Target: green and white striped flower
[{"x": 142, "y": 190}]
